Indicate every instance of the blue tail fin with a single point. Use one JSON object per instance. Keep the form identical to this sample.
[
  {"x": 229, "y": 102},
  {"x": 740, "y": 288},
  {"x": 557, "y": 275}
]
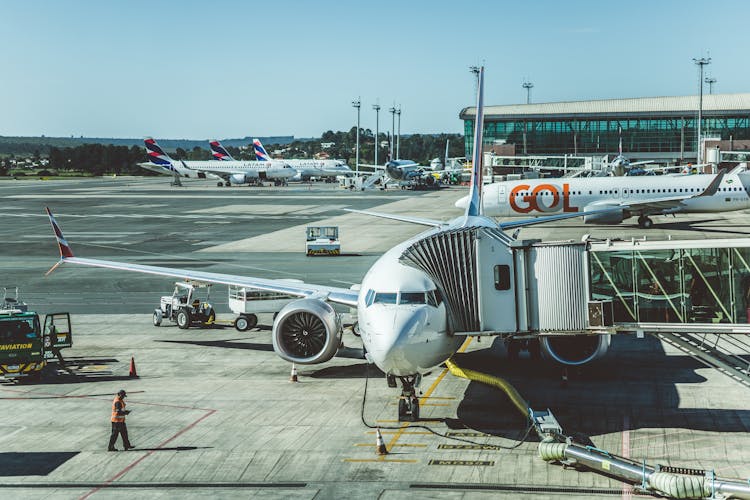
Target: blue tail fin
[
  {"x": 219, "y": 152},
  {"x": 156, "y": 154},
  {"x": 260, "y": 151}
]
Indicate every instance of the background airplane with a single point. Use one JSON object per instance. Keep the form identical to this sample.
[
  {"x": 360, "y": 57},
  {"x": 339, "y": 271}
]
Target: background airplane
[
  {"x": 307, "y": 169},
  {"x": 230, "y": 171},
  {"x": 628, "y": 196}
]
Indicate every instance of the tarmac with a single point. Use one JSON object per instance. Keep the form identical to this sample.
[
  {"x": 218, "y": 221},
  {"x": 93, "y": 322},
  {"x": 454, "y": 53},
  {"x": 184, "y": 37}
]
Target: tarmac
[{"x": 214, "y": 412}]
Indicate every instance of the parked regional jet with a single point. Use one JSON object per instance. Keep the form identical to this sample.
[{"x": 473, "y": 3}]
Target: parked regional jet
[
  {"x": 409, "y": 318},
  {"x": 628, "y": 196},
  {"x": 307, "y": 168},
  {"x": 232, "y": 172}
]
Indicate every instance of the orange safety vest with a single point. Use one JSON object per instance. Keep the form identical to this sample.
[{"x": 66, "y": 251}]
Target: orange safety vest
[{"x": 115, "y": 416}]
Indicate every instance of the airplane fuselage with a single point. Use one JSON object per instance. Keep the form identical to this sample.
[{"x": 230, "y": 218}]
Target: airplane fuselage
[{"x": 533, "y": 197}]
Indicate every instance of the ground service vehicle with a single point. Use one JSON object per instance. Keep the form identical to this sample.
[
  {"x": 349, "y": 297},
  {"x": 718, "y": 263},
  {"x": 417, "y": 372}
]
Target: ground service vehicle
[
  {"x": 247, "y": 303},
  {"x": 185, "y": 308},
  {"x": 25, "y": 347},
  {"x": 323, "y": 240}
]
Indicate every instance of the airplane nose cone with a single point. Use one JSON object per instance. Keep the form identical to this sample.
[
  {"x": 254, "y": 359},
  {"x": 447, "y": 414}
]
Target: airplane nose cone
[
  {"x": 463, "y": 202},
  {"x": 396, "y": 346}
]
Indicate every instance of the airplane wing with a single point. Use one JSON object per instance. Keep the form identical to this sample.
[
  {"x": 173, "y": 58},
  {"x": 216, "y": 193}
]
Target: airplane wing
[
  {"x": 661, "y": 204},
  {"x": 552, "y": 218},
  {"x": 156, "y": 168},
  {"x": 343, "y": 296},
  {"x": 402, "y": 218},
  {"x": 644, "y": 162}
]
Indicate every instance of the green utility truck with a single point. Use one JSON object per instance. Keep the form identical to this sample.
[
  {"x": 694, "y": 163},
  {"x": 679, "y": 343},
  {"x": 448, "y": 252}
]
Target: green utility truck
[{"x": 26, "y": 347}]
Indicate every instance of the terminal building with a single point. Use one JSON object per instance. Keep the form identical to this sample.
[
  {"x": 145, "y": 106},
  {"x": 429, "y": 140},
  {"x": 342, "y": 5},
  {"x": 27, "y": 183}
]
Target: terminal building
[{"x": 652, "y": 128}]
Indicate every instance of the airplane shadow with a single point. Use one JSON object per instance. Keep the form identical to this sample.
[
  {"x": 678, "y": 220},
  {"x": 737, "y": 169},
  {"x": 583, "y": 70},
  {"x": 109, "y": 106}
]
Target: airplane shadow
[
  {"x": 33, "y": 463},
  {"x": 634, "y": 382},
  {"x": 344, "y": 352},
  {"x": 359, "y": 370}
]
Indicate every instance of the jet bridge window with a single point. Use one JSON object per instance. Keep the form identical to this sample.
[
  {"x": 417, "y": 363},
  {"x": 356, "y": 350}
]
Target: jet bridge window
[{"x": 502, "y": 277}]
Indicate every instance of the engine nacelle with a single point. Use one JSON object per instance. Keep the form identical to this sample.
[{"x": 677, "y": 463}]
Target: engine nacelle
[
  {"x": 574, "y": 349},
  {"x": 307, "y": 332},
  {"x": 614, "y": 216},
  {"x": 238, "y": 179},
  {"x": 393, "y": 171}
]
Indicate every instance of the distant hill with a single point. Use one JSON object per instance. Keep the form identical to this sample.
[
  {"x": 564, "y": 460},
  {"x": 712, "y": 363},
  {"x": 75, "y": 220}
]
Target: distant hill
[{"x": 31, "y": 145}]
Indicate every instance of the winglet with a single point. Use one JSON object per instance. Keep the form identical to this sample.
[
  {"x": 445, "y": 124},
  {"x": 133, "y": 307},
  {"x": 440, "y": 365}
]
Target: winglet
[
  {"x": 62, "y": 243},
  {"x": 714, "y": 186},
  {"x": 475, "y": 194}
]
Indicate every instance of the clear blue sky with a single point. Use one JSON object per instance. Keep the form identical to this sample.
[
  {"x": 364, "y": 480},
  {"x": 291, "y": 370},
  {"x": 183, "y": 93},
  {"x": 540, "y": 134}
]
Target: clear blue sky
[{"x": 189, "y": 69}]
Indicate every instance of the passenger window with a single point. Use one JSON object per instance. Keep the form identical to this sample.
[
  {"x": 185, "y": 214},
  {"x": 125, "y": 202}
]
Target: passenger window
[
  {"x": 385, "y": 298},
  {"x": 502, "y": 277},
  {"x": 412, "y": 298}
]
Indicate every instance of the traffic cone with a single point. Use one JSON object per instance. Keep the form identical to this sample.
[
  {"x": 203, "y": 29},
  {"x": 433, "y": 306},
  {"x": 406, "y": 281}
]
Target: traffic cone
[
  {"x": 132, "y": 373},
  {"x": 293, "y": 378},
  {"x": 382, "y": 450}
]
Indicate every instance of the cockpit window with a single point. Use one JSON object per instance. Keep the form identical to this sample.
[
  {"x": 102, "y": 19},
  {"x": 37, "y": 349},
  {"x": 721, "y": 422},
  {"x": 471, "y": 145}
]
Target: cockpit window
[
  {"x": 433, "y": 298},
  {"x": 385, "y": 298},
  {"x": 412, "y": 298},
  {"x": 369, "y": 297}
]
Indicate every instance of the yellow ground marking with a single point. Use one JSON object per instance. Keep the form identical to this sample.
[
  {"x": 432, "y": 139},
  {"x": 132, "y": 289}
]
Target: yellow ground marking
[
  {"x": 425, "y": 396},
  {"x": 403, "y": 445},
  {"x": 381, "y": 459},
  {"x": 411, "y": 433},
  {"x": 405, "y": 425}
]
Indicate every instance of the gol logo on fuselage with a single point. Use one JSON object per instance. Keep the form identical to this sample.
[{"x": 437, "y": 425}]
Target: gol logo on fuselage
[{"x": 542, "y": 198}]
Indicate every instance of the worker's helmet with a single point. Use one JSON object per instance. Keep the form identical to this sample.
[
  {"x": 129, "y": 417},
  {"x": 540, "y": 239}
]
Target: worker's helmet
[{"x": 121, "y": 393}]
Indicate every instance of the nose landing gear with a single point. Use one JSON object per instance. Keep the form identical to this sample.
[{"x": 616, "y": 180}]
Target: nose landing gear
[{"x": 408, "y": 403}]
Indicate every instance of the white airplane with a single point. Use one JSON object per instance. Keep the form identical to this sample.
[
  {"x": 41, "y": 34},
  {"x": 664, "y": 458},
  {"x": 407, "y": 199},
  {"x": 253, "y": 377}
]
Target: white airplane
[
  {"x": 307, "y": 168},
  {"x": 406, "y": 318},
  {"x": 628, "y": 196},
  {"x": 232, "y": 172}
]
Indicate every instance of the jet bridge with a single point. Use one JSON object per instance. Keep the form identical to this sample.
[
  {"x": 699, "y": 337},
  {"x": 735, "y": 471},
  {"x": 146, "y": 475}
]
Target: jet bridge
[{"x": 694, "y": 294}]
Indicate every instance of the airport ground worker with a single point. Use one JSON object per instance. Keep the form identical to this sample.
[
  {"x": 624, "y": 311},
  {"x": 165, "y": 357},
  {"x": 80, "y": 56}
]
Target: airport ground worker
[{"x": 118, "y": 422}]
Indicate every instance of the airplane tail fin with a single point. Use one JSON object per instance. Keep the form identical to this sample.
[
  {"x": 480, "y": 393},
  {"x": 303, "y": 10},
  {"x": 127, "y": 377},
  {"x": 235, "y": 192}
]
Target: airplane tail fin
[
  {"x": 62, "y": 243},
  {"x": 156, "y": 154},
  {"x": 219, "y": 152},
  {"x": 475, "y": 194},
  {"x": 260, "y": 152}
]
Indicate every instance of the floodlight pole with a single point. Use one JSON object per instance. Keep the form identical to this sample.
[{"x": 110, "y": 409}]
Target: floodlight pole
[
  {"x": 398, "y": 136},
  {"x": 703, "y": 61},
  {"x": 710, "y": 81},
  {"x": 357, "y": 105},
  {"x": 528, "y": 86},
  {"x": 392, "y": 111},
  {"x": 376, "y": 107}
]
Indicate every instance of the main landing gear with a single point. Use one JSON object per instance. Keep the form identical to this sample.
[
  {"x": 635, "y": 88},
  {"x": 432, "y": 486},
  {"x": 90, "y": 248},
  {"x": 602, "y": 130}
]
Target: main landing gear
[
  {"x": 408, "y": 403},
  {"x": 645, "y": 223}
]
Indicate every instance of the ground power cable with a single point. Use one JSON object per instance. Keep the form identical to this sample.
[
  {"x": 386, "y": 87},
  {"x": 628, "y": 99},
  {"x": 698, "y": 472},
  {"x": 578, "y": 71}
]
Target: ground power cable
[{"x": 518, "y": 443}]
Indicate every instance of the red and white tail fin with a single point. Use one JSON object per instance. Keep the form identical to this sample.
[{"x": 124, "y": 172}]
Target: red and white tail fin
[{"x": 62, "y": 243}]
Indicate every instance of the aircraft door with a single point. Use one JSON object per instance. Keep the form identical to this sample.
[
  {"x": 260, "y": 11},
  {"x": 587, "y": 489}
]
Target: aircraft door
[
  {"x": 625, "y": 193},
  {"x": 496, "y": 286},
  {"x": 501, "y": 195}
]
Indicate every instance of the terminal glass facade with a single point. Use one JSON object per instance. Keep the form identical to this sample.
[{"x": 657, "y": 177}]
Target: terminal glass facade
[
  {"x": 694, "y": 285},
  {"x": 601, "y": 135}
]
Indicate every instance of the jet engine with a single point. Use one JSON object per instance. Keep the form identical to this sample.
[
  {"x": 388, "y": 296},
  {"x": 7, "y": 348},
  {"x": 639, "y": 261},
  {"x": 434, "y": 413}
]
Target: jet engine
[
  {"x": 393, "y": 171},
  {"x": 307, "y": 332},
  {"x": 238, "y": 179},
  {"x": 576, "y": 349},
  {"x": 615, "y": 216}
]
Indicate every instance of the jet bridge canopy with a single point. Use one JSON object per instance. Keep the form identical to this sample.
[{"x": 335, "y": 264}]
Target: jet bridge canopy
[{"x": 693, "y": 281}]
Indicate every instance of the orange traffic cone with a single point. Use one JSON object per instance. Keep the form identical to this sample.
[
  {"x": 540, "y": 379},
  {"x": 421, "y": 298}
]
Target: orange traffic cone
[
  {"x": 132, "y": 373},
  {"x": 382, "y": 450},
  {"x": 293, "y": 378}
]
